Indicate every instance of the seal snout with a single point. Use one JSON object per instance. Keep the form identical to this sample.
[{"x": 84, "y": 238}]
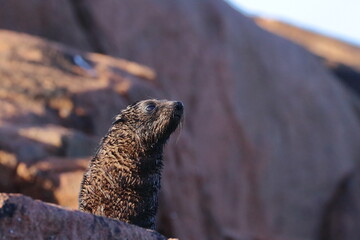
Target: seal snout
[
  {"x": 178, "y": 109},
  {"x": 179, "y": 106}
]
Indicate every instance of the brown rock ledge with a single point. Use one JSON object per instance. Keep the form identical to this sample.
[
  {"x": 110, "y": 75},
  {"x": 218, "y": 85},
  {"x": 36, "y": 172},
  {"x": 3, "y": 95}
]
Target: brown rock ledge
[{"x": 24, "y": 218}]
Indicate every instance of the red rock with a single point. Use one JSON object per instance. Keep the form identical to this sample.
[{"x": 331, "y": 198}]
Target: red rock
[
  {"x": 339, "y": 57},
  {"x": 8, "y": 163},
  {"x": 332, "y": 49},
  {"x": 342, "y": 216},
  {"x": 24, "y": 218},
  {"x": 48, "y": 123},
  {"x": 44, "y": 18},
  {"x": 55, "y": 180}
]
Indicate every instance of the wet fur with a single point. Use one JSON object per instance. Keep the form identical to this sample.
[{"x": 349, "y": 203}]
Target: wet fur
[{"x": 123, "y": 179}]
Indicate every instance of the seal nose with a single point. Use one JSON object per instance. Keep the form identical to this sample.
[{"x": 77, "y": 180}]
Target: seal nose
[{"x": 179, "y": 106}]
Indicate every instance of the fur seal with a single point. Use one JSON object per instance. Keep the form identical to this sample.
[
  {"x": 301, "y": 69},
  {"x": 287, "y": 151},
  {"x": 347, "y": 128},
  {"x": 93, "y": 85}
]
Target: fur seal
[{"x": 123, "y": 178}]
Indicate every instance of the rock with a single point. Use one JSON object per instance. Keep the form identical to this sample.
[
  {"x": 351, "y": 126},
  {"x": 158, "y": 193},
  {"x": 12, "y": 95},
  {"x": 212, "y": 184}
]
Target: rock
[
  {"x": 329, "y": 48},
  {"x": 341, "y": 58},
  {"x": 266, "y": 123},
  {"x": 349, "y": 76},
  {"x": 46, "y": 19},
  {"x": 76, "y": 100},
  {"x": 342, "y": 219},
  {"x": 55, "y": 180},
  {"x": 8, "y": 163},
  {"x": 48, "y": 125},
  {"x": 32, "y": 143},
  {"x": 24, "y": 218},
  {"x": 269, "y": 136}
]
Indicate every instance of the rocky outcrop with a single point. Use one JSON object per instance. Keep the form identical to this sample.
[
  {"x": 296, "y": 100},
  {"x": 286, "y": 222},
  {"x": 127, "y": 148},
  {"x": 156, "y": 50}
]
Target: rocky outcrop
[
  {"x": 24, "y": 218},
  {"x": 270, "y": 136},
  {"x": 55, "y": 180},
  {"x": 332, "y": 49},
  {"x": 48, "y": 125},
  {"x": 340, "y": 57}
]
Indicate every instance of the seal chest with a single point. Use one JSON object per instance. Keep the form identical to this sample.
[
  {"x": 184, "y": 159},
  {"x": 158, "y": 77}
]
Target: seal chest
[{"x": 123, "y": 178}]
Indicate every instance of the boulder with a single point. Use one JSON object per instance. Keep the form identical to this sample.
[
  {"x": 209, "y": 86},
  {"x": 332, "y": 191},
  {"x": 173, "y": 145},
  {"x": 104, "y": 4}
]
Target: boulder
[
  {"x": 340, "y": 57},
  {"x": 334, "y": 50},
  {"x": 8, "y": 163},
  {"x": 342, "y": 215},
  {"x": 56, "y": 180},
  {"x": 24, "y": 218},
  {"x": 56, "y": 105}
]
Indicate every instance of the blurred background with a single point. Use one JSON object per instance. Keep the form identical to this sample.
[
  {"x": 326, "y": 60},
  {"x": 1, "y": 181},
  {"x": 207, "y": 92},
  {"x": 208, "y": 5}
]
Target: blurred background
[
  {"x": 270, "y": 145},
  {"x": 333, "y": 18}
]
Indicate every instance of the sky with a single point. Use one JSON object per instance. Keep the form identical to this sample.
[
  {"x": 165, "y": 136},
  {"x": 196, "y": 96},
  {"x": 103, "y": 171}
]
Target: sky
[{"x": 335, "y": 18}]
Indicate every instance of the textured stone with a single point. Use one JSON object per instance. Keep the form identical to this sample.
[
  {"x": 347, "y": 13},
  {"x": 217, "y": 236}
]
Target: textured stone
[
  {"x": 341, "y": 58},
  {"x": 8, "y": 163},
  {"x": 46, "y": 19},
  {"x": 54, "y": 110},
  {"x": 332, "y": 49},
  {"x": 24, "y": 218},
  {"x": 55, "y": 180},
  {"x": 342, "y": 216}
]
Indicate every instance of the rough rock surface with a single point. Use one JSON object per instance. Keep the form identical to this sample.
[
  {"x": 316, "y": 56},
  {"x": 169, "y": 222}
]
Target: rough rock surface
[
  {"x": 327, "y": 47},
  {"x": 55, "y": 180},
  {"x": 24, "y": 218},
  {"x": 48, "y": 122},
  {"x": 340, "y": 57},
  {"x": 270, "y": 137}
]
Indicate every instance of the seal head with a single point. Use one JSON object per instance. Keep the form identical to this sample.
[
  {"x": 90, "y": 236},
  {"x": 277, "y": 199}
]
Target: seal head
[{"x": 123, "y": 178}]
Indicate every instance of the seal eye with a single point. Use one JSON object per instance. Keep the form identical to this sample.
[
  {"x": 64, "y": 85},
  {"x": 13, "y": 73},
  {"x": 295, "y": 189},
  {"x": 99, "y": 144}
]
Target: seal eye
[{"x": 150, "y": 107}]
